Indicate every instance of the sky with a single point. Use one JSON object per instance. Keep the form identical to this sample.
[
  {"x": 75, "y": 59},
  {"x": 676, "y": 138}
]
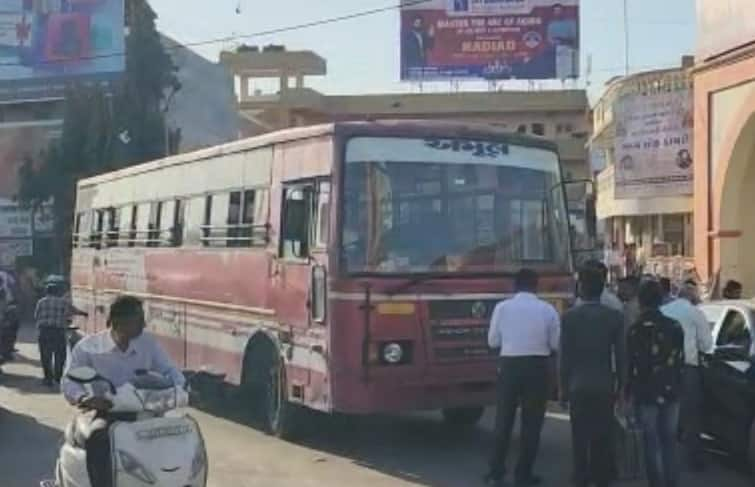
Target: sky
[{"x": 363, "y": 54}]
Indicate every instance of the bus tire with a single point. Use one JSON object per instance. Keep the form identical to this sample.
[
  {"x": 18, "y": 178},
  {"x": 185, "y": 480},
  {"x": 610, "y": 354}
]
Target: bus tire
[
  {"x": 281, "y": 417},
  {"x": 463, "y": 417}
]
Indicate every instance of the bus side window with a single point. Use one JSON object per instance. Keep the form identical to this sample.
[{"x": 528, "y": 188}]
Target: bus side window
[
  {"x": 295, "y": 227},
  {"x": 134, "y": 226},
  {"x": 77, "y": 236},
  {"x": 207, "y": 222},
  {"x": 155, "y": 217},
  {"x": 98, "y": 225},
  {"x": 113, "y": 226},
  {"x": 179, "y": 219}
]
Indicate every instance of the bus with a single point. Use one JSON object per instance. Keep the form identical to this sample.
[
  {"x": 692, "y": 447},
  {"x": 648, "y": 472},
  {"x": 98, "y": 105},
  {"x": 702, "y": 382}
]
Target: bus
[{"x": 350, "y": 267}]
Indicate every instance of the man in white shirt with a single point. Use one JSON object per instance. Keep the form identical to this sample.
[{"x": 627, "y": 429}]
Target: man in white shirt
[
  {"x": 698, "y": 339},
  {"x": 117, "y": 353},
  {"x": 527, "y": 332}
]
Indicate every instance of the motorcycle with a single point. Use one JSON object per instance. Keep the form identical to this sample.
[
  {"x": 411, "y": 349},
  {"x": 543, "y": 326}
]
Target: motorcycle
[{"x": 159, "y": 444}]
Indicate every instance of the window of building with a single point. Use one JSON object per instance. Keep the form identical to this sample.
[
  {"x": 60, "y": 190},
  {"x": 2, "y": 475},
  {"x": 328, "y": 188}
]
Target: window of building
[{"x": 538, "y": 129}]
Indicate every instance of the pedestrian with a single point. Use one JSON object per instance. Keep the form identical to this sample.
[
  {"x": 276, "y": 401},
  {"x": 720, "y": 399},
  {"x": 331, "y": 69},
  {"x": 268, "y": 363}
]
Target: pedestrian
[
  {"x": 698, "y": 340},
  {"x": 52, "y": 317},
  {"x": 655, "y": 354},
  {"x": 592, "y": 372},
  {"x": 733, "y": 290},
  {"x": 607, "y": 297},
  {"x": 526, "y": 330},
  {"x": 665, "y": 283},
  {"x": 628, "y": 290}
]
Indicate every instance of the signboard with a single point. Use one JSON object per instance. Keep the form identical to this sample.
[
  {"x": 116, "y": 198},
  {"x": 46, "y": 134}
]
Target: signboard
[
  {"x": 21, "y": 144},
  {"x": 654, "y": 145},
  {"x": 44, "y": 44},
  {"x": 15, "y": 222},
  {"x": 723, "y": 25},
  {"x": 489, "y": 39},
  {"x": 10, "y": 250}
]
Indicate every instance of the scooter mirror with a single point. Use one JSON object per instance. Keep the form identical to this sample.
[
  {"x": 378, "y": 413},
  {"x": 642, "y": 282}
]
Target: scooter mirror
[{"x": 82, "y": 375}]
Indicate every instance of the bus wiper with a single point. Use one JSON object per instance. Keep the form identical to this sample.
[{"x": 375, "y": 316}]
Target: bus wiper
[{"x": 409, "y": 284}]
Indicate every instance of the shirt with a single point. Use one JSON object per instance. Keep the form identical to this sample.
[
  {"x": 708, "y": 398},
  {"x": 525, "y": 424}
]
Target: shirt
[
  {"x": 562, "y": 32},
  {"x": 698, "y": 336},
  {"x": 524, "y": 326},
  {"x": 53, "y": 312},
  {"x": 608, "y": 299},
  {"x": 655, "y": 353},
  {"x": 592, "y": 349},
  {"x": 100, "y": 352}
]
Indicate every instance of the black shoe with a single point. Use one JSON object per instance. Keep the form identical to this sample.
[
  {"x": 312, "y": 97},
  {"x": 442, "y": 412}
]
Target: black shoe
[
  {"x": 494, "y": 480},
  {"x": 529, "y": 481}
]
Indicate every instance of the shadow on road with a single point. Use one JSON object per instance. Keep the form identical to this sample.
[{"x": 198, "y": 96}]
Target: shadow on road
[
  {"x": 25, "y": 384},
  {"x": 27, "y": 451}
]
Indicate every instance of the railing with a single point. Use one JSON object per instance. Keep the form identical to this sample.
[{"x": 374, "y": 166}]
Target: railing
[{"x": 243, "y": 235}]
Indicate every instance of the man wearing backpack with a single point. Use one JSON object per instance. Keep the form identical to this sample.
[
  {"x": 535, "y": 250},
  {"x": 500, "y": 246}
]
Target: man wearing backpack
[{"x": 655, "y": 352}]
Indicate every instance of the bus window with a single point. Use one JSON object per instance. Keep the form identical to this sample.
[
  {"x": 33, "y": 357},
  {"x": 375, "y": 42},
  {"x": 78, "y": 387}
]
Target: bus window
[
  {"x": 155, "y": 217},
  {"x": 234, "y": 218},
  {"x": 113, "y": 224},
  {"x": 179, "y": 217},
  {"x": 77, "y": 237},
  {"x": 322, "y": 216},
  {"x": 134, "y": 235},
  {"x": 99, "y": 223},
  {"x": 247, "y": 219},
  {"x": 295, "y": 232}
]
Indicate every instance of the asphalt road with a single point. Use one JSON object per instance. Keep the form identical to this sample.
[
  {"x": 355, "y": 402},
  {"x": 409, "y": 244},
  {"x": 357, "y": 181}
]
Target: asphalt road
[{"x": 399, "y": 451}]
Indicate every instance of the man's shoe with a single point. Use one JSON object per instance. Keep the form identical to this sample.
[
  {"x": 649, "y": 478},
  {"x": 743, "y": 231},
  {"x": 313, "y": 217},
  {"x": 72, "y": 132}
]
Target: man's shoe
[{"x": 529, "y": 481}]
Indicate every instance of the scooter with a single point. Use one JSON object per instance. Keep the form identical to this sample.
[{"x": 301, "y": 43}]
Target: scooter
[{"x": 162, "y": 446}]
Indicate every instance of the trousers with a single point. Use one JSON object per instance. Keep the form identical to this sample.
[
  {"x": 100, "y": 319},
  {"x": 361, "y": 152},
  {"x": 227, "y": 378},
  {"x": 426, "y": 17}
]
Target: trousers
[
  {"x": 660, "y": 423},
  {"x": 52, "y": 351},
  {"x": 592, "y": 424},
  {"x": 522, "y": 383},
  {"x": 691, "y": 414}
]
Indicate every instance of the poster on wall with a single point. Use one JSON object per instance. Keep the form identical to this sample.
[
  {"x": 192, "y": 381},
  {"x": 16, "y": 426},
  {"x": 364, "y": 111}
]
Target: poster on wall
[
  {"x": 489, "y": 39},
  {"x": 723, "y": 25},
  {"x": 654, "y": 144},
  {"x": 44, "y": 44}
]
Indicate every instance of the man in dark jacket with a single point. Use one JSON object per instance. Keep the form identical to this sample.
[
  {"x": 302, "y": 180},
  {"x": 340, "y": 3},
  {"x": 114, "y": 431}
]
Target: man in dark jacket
[
  {"x": 592, "y": 341},
  {"x": 655, "y": 351}
]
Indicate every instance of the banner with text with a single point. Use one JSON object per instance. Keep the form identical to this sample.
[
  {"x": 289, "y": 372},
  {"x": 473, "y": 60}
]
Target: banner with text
[
  {"x": 489, "y": 39},
  {"x": 654, "y": 145},
  {"x": 45, "y": 44}
]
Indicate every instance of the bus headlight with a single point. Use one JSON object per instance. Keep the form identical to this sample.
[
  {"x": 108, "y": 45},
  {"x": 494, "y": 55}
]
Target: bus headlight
[{"x": 393, "y": 353}]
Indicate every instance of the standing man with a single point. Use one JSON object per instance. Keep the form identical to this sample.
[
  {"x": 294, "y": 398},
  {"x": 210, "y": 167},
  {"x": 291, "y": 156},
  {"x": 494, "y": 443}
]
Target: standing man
[
  {"x": 592, "y": 341},
  {"x": 655, "y": 352},
  {"x": 417, "y": 43},
  {"x": 607, "y": 297},
  {"x": 52, "y": 315},
  {"x": 527, "y": 332},
  {"x": 563, "y": 35},
  {"x": 698, "y": 339}
]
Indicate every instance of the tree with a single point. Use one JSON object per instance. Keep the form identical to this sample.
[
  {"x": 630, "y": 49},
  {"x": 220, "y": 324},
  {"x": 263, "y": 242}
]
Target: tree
[{"x": 102, "y": 131}]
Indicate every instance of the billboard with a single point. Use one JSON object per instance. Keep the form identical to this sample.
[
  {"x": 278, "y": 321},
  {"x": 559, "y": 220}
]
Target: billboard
[
  {"x": 489, "y": 39},
  {"x": 654, "y": 144},
  {"x": 723, "y": 25},
  {"x": 44, "y": 44}
]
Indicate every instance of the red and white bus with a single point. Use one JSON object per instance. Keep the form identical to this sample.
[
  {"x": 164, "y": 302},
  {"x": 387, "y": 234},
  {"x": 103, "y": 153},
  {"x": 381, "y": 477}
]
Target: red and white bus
[{"x": 350, "y": 267}]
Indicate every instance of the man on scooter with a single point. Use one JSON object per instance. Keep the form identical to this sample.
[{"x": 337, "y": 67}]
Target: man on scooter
[{"x": 117, "y": 354}]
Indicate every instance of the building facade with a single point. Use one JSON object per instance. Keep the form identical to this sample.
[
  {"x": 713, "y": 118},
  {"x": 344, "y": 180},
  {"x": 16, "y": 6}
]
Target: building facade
[
  {"x": 640, "y": 152},
  {"x": 272, "y": 94},
  {"x": 724, "y": 78}
]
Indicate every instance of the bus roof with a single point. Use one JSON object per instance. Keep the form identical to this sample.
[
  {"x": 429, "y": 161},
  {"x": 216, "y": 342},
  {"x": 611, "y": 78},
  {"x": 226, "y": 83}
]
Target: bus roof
[{"x": 419, "y": 128}]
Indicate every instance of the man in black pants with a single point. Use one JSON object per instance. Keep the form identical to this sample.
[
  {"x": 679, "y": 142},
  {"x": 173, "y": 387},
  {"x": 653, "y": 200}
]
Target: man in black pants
[
  {"x": 592, "y": 341},
  {"x": 526, "y": 330}
]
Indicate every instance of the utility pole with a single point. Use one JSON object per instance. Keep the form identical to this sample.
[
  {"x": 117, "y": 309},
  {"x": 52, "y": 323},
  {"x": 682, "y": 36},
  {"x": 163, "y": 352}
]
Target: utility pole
[{"x": 626, "y": 38}]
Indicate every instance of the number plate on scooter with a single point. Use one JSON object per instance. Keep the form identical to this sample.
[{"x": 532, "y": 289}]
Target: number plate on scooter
[{"x": 163, "y": 431}]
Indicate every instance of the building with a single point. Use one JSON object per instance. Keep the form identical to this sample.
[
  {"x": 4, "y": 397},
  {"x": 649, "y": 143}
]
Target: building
[
  {"x": 724, "y": 78},
  {"x": 272, "y": 94},
  {"x": 641, "y": 125}
]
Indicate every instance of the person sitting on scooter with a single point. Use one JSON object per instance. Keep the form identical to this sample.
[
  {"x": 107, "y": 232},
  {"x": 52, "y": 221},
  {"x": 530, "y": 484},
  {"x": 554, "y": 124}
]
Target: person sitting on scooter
[{"x": 117, "y": 353}]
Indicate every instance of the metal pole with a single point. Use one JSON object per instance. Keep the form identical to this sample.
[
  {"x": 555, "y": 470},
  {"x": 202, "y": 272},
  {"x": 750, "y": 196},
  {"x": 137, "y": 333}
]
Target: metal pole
[{"x": 626, "y": 38}]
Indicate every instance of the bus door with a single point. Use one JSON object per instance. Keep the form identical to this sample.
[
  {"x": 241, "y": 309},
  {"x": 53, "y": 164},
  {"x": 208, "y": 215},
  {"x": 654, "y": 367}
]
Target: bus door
[{"x": 299, "y": 282}]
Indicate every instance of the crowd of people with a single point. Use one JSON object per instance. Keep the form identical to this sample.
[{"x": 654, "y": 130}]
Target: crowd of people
[{"x": 635, "y": 355}]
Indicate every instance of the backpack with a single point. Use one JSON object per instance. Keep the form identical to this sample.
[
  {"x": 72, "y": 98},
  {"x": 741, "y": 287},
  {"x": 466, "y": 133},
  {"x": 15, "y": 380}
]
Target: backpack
[{"x": 658, "y": 349}]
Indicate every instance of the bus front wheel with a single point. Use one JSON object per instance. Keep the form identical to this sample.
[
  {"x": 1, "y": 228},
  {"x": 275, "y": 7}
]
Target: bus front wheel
[{"x": 463, "y": 417}]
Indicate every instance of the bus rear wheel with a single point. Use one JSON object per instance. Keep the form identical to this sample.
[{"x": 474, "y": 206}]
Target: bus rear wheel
[{"x": 463, "y": 417}]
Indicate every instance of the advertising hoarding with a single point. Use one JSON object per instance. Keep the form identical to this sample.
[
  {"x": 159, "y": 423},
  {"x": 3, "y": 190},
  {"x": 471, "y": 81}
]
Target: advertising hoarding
[
  {"x": 45, "y": 44},
  {"x": 489, "y": 39},
  {"x": 723, "y": 25},
  {"x": 654, "y": 144}
]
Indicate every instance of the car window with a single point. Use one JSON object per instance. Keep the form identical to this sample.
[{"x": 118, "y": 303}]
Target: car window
[
  {"x": 713, "y": 313},
  {"x": 734, "y": 331}
]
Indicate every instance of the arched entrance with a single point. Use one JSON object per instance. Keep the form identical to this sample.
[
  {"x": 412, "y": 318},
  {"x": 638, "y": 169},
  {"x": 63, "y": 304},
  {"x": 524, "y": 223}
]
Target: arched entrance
[{"x": 736, "y": 248}]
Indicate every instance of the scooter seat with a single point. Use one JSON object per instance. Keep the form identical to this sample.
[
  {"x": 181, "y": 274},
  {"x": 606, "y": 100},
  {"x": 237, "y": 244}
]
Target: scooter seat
[{"x": 82, "y": 427}]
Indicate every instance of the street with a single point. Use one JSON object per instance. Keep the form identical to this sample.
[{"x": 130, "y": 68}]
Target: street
[{"x": 411, "y": 450}]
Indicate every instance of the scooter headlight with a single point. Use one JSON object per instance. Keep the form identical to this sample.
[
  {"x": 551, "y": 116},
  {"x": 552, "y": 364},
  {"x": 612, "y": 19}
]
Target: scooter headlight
[
  {"x": 132, "y": 467},
  {"x": 199, "y": 464}
]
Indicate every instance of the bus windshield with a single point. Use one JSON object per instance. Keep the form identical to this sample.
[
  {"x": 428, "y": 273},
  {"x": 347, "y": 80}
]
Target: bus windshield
[{"x": 451, "y": 206}]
